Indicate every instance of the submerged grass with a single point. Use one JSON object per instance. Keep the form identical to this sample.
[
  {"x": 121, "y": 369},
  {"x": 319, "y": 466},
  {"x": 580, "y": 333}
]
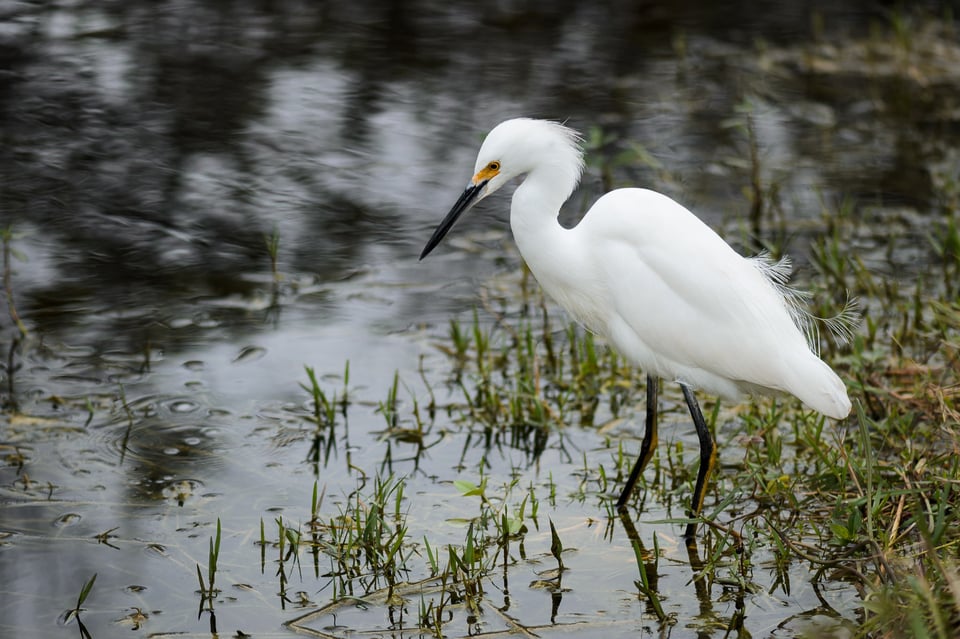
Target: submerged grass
[{"x": 871, "y": 501}]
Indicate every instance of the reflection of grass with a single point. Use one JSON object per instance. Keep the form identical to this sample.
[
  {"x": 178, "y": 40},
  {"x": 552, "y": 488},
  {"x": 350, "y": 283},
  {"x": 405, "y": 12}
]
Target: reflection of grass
[
  {"x": 325, "y": 414},
  {"x": 644, "y": 583},
  {"x": 6, "y": 237},
  {"x": 272, "y": 242},
  {"x": 869, "y": 501},
  {"x": 76, "y": 610},
  {"x": 209, "y": 590}
]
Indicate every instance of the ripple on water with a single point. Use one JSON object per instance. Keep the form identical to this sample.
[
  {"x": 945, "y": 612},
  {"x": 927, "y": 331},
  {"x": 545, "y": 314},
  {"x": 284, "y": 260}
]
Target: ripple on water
[
  {"x": 67, "y": 519},
  {"x": 183, "y": 406},
  {"x": 165, "y": 435},
  {"x": 155, "y": 441},
  {"x": 7, "y": 539}
]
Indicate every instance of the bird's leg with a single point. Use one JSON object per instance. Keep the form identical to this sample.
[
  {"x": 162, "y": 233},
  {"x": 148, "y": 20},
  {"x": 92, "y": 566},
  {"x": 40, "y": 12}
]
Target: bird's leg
[
  {"x": 648, "y": 445},
  {"x": 708, "y": 459}
]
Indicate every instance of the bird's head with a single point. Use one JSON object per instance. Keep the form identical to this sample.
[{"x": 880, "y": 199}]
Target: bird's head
[{"x": 514, "y": 148}]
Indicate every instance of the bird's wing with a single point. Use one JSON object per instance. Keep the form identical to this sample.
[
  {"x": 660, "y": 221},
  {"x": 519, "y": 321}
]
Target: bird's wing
[{"x": 681, "y": 298}]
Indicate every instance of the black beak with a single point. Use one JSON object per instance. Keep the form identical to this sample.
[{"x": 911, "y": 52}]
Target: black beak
[{"x": 469, "y": 197}]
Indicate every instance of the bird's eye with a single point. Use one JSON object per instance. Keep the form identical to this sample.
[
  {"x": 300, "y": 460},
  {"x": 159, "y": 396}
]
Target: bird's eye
[{"x": 493, "y": 166}]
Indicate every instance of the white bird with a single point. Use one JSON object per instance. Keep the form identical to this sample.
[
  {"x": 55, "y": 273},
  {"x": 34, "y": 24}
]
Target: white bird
[{"x": 656, "y": 282}]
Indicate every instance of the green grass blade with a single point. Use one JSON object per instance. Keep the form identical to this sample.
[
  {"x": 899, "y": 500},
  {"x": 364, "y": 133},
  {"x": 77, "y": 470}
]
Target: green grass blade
[{"x": 85, "y": 591}]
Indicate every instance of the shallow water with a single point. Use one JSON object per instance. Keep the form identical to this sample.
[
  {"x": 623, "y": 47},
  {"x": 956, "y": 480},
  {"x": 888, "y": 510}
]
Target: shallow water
[{"x": 149, "y": 151}]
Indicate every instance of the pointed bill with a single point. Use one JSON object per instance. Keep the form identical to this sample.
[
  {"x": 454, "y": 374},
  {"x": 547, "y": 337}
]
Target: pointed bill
[{"x": 471, "y": 195}]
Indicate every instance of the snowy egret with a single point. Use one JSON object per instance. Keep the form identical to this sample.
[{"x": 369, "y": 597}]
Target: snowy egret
[{"x": 660, "y": 285}]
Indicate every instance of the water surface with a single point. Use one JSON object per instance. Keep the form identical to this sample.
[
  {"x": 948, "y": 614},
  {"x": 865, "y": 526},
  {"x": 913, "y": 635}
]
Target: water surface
[{"x": 149, "y": 152}]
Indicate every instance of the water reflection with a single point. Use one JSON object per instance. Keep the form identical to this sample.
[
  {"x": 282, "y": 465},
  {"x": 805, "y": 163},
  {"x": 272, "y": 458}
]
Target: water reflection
[{"x": 149, "y": 150}]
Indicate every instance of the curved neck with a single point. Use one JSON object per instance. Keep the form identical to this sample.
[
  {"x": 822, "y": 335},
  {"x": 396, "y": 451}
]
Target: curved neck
[
  {"x": 537, "y": 201},
  {"x": 557, "y": 259},
  {"x": 536, "y": 230}
]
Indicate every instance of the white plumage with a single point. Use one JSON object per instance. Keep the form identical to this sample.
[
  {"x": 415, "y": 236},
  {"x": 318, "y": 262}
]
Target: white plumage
[{"x": 648, "y": 275}]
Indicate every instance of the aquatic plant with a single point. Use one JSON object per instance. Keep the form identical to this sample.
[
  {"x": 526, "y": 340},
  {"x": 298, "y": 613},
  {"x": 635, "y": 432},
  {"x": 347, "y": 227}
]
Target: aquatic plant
[
  {"x": 74, "y": 613},
  {"x": 208, "y": 589}
]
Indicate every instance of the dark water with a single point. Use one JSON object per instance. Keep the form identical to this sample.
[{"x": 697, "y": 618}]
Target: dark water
[{"x": 148, "y": 150}]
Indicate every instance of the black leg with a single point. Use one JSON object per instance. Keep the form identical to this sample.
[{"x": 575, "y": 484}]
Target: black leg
[
  {"x": 708, "y": 459},
  {"x": 649, "y": 442}
]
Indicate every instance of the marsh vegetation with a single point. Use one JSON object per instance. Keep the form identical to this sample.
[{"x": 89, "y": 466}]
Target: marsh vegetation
[{"x": 235, "y": 405}]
